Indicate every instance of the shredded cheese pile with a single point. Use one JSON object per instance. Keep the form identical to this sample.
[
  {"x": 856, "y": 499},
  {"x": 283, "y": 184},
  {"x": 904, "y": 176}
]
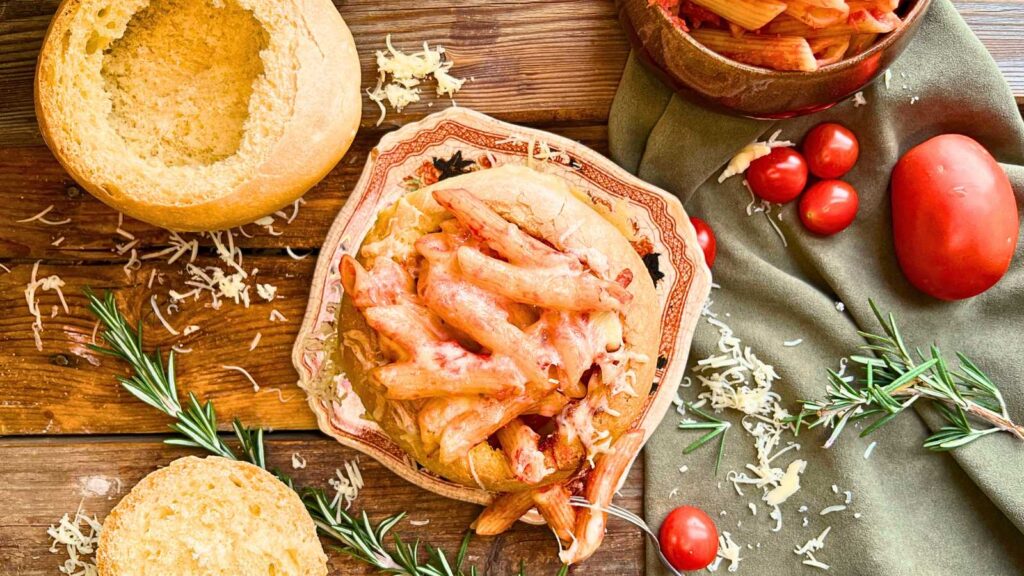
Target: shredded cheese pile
[
  {"x": 79, "y": 545},
  {"x": 346, "y": 484},
  {"x": 407, "y": 71}
]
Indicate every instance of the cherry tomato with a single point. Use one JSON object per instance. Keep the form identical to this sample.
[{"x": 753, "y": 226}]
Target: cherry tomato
[
  {"x": 706, "y": 240},
  {"x": 831, "y": 150},
  {"x": 689, "y": 539},
  {"x": 954, "y": 217},
  {"x": 828, "y": 207},
  {"x": 778, "y": 177}
]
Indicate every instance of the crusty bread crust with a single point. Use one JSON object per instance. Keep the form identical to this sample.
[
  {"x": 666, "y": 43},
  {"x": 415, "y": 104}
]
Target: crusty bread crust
[
  {"x": 324, "y": 111},
  {"x": 210, "y": 516},
  {"x": 541, "y": 204}
]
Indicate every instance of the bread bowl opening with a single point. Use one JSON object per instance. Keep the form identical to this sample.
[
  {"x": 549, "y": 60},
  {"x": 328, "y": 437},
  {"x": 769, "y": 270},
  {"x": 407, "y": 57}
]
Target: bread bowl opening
[{"x": 180, "y": 79}]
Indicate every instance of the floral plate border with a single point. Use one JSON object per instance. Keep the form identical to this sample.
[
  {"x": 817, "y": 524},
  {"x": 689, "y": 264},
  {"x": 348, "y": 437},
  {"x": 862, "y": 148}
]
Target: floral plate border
[{"x": 414, "y": 155}]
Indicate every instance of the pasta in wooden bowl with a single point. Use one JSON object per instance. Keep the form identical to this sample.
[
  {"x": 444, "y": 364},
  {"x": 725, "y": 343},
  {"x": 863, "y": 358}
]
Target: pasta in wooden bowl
[{"x": 770, "y": 58}]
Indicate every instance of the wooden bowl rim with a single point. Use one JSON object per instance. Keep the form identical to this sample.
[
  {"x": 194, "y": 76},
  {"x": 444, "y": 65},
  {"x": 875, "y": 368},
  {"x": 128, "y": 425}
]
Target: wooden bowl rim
[{"x": 916, "y": 11}]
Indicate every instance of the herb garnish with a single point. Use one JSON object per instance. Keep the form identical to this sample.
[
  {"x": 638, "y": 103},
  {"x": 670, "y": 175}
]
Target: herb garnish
[
  {"x": 893, "y": 381},
  {"x": 154, "y": 383},
  {"x": 453, "y": 166}
]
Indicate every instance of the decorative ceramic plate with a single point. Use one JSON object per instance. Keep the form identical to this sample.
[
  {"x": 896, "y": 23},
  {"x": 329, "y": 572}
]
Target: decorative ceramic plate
[{"x": 459, "y": 140}]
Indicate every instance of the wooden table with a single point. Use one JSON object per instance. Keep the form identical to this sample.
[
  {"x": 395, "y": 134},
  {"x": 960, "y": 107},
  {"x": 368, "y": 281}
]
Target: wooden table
[{"x": 552, "y": 64}]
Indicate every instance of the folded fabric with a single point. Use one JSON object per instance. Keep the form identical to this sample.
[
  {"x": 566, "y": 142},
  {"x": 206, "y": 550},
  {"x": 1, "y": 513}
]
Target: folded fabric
[{"x": 910, "y": 511}]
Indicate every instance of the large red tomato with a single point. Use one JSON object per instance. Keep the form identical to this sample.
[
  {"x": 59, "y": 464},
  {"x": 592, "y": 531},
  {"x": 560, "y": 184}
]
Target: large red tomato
[{"x": 954, "y": 217}]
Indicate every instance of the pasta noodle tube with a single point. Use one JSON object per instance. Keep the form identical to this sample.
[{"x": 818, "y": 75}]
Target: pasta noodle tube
[
  {"x": 553, "y": 503},
  {"x": 751, "y": 14},
  {"x": 556, "y": 288},
  {"x": 508, "y": 239},
  {"x": 503, "y": 513},
  {"x": 602, "y": 483},
  {"x": 817, "y": 16},
  {"x": 780, "y": 53},
  {"x": 829, "y": 50},
  {"x": 520, "y": 444},
  {"x": 859, "y": 22}
]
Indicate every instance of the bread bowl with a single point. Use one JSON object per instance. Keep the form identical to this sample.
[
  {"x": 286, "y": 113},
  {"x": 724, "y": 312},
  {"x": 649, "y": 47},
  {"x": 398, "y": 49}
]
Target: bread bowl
[
  {"x": 198, "y": 114},
  {"x": 210, "y": 516},
  {"x": 520, "y": 244}
]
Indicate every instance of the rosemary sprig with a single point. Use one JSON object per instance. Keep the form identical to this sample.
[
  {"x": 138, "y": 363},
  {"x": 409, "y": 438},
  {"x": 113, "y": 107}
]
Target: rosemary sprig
[
  {"x": 714, "y": 427},
  {"x": 154, "y": 383},
  {"x": 893, "y": 379}
]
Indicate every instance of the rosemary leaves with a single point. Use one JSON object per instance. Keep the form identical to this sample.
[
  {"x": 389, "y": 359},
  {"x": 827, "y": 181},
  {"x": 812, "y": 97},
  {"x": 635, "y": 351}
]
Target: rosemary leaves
[{"x": 894, "y": 379}]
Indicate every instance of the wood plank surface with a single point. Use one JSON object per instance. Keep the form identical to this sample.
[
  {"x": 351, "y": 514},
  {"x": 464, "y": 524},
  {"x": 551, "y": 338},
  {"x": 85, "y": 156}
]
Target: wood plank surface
[
  {"x": 530, "y": 61},
  {"x": 44, "y": 478},
  {"x": 31, "y": 179},
  {"x": 68, "y": 389}
]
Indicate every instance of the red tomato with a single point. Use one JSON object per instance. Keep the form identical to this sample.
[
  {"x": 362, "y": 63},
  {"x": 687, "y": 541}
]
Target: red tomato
[
  {"x": 706, "y": 240},
  {"x": 828, "y": 207},
  {"x": 831, "y": 150},
  {"x": 689, "y": 539},
  {"x": 778, "y": 177},
  {"x": 954, "y": 217}
]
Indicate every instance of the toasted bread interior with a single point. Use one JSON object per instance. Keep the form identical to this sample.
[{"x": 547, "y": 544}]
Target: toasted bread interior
[{"x": 181, "y": 77}]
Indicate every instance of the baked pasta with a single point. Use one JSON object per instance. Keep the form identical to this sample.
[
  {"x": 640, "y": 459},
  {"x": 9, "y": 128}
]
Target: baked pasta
[{"x": 504, "y": 333}]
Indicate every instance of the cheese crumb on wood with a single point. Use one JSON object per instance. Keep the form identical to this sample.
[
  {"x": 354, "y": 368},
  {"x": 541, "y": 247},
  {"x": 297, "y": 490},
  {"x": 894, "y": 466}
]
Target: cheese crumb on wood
[
  {"x": 52, "y": 282},
  {"x": 298, "y": 462},
  {"x": 79, "y": 537},
  {"x": 244, "y": 372},
  {"x": 346, "y": 484}
]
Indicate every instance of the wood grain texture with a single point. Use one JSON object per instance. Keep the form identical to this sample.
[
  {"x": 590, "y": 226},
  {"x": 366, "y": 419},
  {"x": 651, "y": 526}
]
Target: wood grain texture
[
  {"x": 31, "y": 179},
  {"x": 45, "y": 478},
  {"x": 68, "y": 389},
  {"x": 524, "y": 62},
  {"x": 529, "y": 61}
]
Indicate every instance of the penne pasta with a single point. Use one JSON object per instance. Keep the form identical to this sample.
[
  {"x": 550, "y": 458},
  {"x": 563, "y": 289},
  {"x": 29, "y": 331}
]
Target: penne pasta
[
  {"x": 788, "y": 52},
  {"x": 507, "y": 239},
  {"x": 552, "y": 287},
  {"x": 520, "y": 444},
  {"x": 549, "y": 405},
  {"x": 859, "y": 22},
  {"x": 817, "y": 16},
  {"x": 860, "y": 43},
  {"x": 829, "y": 50},
  {"x": 876, "y": 5},
  {"x": 608, "y": 474},
  {"x": 437, "y": 413},
  {"x": 553, "y": 504},
  {"x": 503, "y": 513},
  {"x": 750, "y": 14},
  {"x": 465, "y": 375}
]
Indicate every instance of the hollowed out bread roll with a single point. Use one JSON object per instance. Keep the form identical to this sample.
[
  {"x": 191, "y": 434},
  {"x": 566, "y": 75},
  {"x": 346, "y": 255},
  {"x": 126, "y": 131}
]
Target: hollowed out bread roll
[
  {"x": 198, "y": 114},
  {"x": 549, "y": 209},
  {"x": 211, "y": 517}
]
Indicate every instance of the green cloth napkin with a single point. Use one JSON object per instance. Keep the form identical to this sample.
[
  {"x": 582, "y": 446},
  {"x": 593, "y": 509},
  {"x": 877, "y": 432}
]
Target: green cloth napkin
[{"x": 920, "y": 512}]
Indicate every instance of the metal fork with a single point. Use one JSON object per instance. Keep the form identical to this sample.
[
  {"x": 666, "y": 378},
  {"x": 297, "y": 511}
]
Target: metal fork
[{"x": 628, "y": 516}]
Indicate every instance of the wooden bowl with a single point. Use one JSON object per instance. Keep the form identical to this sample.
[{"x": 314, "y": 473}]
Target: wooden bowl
[
  {"x": 697, "y": 72},
  {"x": 401, "y": 162}
]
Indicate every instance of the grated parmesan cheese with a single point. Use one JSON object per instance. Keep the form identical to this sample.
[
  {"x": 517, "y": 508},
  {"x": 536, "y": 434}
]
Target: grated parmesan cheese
[
  {"x": 741, "y": 161},
  {"x": 870, "y": 449},
  {"x": 859, "y": 100},
  {"x": 346, "y": 484},
  {"x": 407, "y": 71},
  {"x": 52, "y": 282},
  {"x": 255, "y": 341},
  {"x": 41, "y": 218},
  {"x": 298, "y": 462},
  {"x": 244, "y": 372},
  {"x": 831, "y": 509},
  {"x": 729, "y": 551},
  {"x": 79, "y": 545},
  {"x": 276, "y": 316},
  {"x": 266, "y": 291}
]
